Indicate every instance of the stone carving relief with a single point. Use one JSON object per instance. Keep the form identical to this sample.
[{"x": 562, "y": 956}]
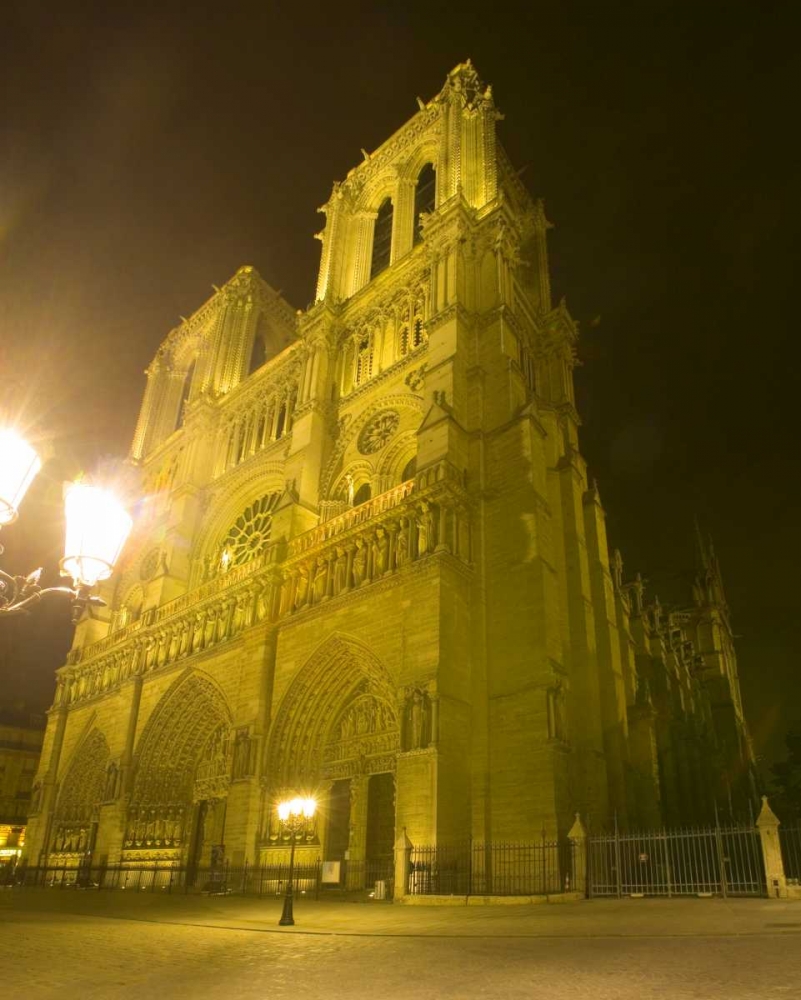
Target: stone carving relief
[{"x": 378, "y": 432}]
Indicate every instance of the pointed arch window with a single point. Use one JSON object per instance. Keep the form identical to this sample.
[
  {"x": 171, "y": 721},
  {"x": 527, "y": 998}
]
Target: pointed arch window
[
  {"x": 186, "y": 388},
  {"x": 382, "y": 239},
  {"x": 425, "y": 195},
  {"x": 362, "y": 495},
  {"x": 364, "y": 359},
  {"x": 258, "y": 354}
]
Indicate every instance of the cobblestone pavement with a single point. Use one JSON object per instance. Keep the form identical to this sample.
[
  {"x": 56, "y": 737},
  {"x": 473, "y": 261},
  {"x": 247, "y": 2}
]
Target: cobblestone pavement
[{"x": 103, "y": 945}]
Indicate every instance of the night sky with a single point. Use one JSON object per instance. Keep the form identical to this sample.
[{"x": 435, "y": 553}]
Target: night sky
[{"x": 147, "y": 152}]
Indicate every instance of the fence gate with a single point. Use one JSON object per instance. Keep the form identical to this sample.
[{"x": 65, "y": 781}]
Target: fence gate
[{"x": 722, "y": 861}]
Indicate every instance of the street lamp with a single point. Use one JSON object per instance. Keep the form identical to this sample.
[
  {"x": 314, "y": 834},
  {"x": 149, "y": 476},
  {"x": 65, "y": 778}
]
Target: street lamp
[
  {"x": 294, "y": 815},
  {"x": 97, "y": 527}
]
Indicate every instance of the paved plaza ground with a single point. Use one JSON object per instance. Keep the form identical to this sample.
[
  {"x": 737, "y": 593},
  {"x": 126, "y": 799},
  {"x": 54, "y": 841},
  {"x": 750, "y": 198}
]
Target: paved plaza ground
[{"x": 74, "y": 943}]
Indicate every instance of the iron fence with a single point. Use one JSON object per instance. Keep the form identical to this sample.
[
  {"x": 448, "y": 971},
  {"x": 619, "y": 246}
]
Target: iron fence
[
  {"x": 368, "y": 877},
  {"x": 790, "y": 841},
  {"x": 724, "y": 861},
  {"x": 492, "y": 869}
]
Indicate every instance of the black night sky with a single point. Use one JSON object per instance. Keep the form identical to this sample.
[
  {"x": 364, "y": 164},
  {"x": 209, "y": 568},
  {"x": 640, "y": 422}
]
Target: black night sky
[{"x": 148, "y": 151}]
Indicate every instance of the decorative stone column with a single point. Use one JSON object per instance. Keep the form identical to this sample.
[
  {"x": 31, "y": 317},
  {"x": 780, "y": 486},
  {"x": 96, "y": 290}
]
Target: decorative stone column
[
  {"x": 578, "y": 841},
  {"x": 768, "y": 826}
]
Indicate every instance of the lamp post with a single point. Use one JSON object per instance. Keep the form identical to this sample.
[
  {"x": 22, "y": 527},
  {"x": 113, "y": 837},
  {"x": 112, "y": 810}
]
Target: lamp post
[
  {"x": 294, "y": 815},
  {"x": 97, "y": 527}
]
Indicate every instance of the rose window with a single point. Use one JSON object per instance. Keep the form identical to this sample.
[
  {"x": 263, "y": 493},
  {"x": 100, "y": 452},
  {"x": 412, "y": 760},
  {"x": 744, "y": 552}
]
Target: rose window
[
  {"x": 249, "y": 534},
  {"x": 378, "y": 431}
]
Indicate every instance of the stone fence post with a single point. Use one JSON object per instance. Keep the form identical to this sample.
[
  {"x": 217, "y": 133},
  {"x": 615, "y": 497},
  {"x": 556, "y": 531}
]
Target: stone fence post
[
  {"x": 768, "y": 826},
  {"x": 578, "y": 841},
  {"x": 403, "y": 860}
]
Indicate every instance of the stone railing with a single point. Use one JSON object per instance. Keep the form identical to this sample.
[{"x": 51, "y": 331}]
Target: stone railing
[
  {"x": 352, "y": 517},
  {"x": 406, "y": 524}
]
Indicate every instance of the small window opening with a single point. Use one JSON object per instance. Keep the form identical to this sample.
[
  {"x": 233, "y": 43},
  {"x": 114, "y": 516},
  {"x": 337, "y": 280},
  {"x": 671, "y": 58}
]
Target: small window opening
[{"x": 382, "y": 239}]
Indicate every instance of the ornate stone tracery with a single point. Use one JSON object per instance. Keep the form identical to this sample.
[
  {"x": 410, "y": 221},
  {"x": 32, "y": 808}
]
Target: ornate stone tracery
[
  {"x": 377, "y": 433},
  {"x": 82, "y": 792}
]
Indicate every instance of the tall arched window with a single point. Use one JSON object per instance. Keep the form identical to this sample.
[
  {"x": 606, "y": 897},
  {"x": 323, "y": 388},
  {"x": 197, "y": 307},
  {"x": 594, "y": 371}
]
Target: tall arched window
[
  {"x": 364, "y": 359},
  {"x": 382, "y": 239},
  {"x": 185, "y": 390},
  {"x": 424, "y": 197},
  {"x": 258, "y": 354}
]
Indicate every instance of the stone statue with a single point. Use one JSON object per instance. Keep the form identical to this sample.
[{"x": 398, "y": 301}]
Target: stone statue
[
  {"x": 340, "y": 571},
  {"x": 359, "y": 563},
  {"x": 380, "y": 553},
  {"x": 402, "y": 545},
  {"x": 320, "y": 580},
  {"x": 425, "y": 529},
  {"x": 110, "y": 791},
  {"x": 417, "y": 718},
  {"x": 302, "y": 587},
  {"x": 351, "y": 488}
]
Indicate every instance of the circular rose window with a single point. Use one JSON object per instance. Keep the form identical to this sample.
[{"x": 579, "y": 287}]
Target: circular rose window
[{"x": 378, "y": 431}]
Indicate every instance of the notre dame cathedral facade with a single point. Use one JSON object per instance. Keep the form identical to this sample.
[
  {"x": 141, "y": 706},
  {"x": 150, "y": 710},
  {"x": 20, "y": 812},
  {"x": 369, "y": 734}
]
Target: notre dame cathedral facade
[{"x": 370, "y": 565}]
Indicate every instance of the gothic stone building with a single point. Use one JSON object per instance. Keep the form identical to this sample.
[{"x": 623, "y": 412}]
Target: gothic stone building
[{"x": 370, "y": 564}]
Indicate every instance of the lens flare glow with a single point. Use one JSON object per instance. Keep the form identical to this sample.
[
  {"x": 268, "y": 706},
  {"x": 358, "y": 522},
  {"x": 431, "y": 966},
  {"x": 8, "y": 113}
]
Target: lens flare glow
[
  {"x": 19, "y": 465},
  {"x": 97, "y": 528}
]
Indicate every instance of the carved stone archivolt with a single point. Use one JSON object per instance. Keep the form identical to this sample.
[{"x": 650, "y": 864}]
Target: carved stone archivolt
[
  {"x": 82, "y": 793},
  {"x": 185, "y": 756},
  {"x": 338, "y": 718}
]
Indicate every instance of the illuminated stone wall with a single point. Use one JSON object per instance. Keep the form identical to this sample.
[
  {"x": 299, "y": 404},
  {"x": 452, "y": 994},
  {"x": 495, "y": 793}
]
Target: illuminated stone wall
[{"x": 369, "y": 545}]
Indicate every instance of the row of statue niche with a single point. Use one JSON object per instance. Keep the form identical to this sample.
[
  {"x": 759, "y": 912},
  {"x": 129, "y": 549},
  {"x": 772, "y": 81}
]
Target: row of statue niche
[
  {"x": 161, "y": 826},
  {"x": 417, "y": 713},
  {"x": 313, "y": 589}
]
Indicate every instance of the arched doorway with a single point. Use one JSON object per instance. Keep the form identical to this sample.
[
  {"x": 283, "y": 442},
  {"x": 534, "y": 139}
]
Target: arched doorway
[
  {"x": 77, "y": 812},
  {"x": 337, "y": 734},
  {"x": 183, "y": 770}
]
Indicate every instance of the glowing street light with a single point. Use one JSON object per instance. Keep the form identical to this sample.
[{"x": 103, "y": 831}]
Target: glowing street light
[
  {"x": 97, "y": 528},
  {"x": 19, "y": 465},
  {"x": 294, "y": 815}
]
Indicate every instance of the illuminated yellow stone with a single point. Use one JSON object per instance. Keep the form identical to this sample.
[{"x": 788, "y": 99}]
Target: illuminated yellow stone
[{"x": 371, "y": 568}]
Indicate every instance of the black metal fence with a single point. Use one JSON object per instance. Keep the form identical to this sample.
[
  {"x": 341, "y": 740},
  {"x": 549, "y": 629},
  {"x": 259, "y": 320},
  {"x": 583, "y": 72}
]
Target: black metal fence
[
  {"x": 790, "y": 841},
  {"x": 724, "y": 861},
  {"x": 246, "y": 880},
  {"x": 492, "y": 869}
]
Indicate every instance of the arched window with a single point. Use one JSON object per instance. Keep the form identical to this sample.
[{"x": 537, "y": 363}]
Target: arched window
[
  {"x": 362, "y": 495},
  {"x": 364, "y": 359},
  {"x": 280, "y": 426},
  {"x": 424, "y": 197},
  {"x": 409, "y": 470},
  {"x": 382, "y": 239},
  {"x": 185, "y": 390}
]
